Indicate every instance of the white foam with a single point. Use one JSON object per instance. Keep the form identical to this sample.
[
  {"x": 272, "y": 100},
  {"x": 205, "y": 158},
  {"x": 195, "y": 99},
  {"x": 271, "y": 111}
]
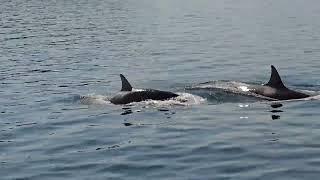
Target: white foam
[
  {"x": 243, "y": 105},
  {"x": 190, "y": 99},
  {"x": 317, "y": 97},
  {"x": 93, "y": 99},
  {"x": 184, "y": 99},
  {"x": 244, "y": 88}
]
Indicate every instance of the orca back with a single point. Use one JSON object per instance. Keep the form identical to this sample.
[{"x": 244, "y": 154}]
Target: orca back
[{"x": 137, "y": 96}]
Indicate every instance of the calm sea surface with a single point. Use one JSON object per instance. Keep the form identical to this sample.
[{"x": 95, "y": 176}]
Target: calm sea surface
[{"x": 52, "y": 53}]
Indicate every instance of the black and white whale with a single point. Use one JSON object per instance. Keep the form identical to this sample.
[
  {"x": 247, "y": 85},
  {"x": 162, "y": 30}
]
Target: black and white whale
[
  {"x": 275, "y": 88},
  {"x": 234, "y": 91},
  {"x": 128, "y": 95}
]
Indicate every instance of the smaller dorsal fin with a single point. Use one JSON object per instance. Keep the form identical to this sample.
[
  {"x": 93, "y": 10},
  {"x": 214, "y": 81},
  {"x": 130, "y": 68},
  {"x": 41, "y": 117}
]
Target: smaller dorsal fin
[
  {"x": 275, "y": 80},
  {"x": 126, "y": 86}
]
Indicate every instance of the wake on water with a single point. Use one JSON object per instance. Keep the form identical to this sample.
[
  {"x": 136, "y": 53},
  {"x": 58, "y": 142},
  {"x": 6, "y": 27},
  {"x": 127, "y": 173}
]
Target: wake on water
[
  {"x": 212, "y": 92},
  {"x": 184, "y": 99}
]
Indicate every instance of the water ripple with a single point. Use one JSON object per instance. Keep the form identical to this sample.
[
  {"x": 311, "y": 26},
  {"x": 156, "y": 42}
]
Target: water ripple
[{"x": 60, "y": 63}]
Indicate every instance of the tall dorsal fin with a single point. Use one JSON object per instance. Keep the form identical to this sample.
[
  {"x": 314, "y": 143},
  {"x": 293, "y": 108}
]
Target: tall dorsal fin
[
  {"x": 275, "y": 80},
  {"x": 126, "y": 86}
]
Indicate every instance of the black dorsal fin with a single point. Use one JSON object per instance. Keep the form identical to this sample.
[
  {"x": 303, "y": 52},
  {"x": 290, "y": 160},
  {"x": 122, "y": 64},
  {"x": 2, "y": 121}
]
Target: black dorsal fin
[
  {"x": 126, "y": 86},
  {"x": 275, "y": 80}
]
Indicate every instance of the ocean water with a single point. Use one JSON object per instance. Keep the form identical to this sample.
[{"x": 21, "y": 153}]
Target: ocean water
[{"x": 61, "y": 60}]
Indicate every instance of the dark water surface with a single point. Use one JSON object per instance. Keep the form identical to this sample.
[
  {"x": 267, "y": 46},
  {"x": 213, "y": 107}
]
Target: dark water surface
[{"x": 53, "y": 53}]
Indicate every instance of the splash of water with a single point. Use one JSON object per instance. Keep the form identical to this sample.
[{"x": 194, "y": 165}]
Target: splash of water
[
  {"x": 184, "y": 99},
  {"x": 93, "y": 99}
]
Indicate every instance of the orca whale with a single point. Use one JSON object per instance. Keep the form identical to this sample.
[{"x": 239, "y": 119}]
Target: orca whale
[
  {"x": 275, "y": 88},
  {"x": 128, "y": 95}
]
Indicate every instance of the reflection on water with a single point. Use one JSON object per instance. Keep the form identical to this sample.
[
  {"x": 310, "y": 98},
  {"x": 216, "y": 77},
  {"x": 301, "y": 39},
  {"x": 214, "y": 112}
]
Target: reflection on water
[
  {"x": 276, "y": 105},
  {"x": 274, "y": 116},
  {"x": 126, "y": 112},
  {"x": 275, "y": 112}
]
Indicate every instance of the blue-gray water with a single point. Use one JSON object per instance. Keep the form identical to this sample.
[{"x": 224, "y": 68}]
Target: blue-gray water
[{"x": 53, "y": 52}]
